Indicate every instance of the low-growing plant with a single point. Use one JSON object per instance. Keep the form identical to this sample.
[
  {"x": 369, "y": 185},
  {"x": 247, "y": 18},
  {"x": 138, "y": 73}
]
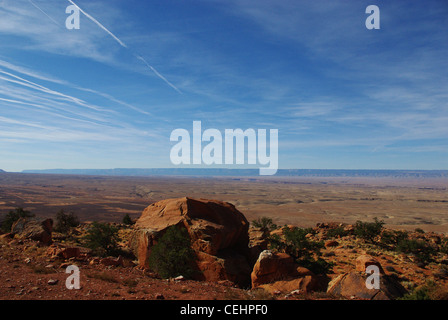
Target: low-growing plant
[
  {"x": 127, "y": 220},
  {"x": 429, "y": 291},
  {"x": 306, "y": 252},
  {"x": 65, "y": 221},
  {"x": 172, "y": 255},
  {"x": 104, "y": 276},
  {"x": 265, "y": 224},
  {"x": 369, "y": 230},
  {"x": 393, "y": 237},
  {"x": 443, "y": 248},
  {"x": 298, "y": 245},
  {"x": 337, "y": 232},
  {"x": 14, "y": 215},
  {"x": 419, "y": 248},
  {"x": 102, "y": 239}
]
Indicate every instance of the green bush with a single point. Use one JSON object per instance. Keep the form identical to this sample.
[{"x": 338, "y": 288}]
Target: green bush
[
  {"x": 429, "y": 291},
  {"x": 13, "y": 216},
  {"x": 337, "y": 232},
  {"x": 418, "y": 294},
  {"x": 443, "y": 248},
  {"x": 393, "y": 237},
  {"x": 172, "y": 255},
  {"x": 265, "y": 224},
  {"x": 127, "y": 220},
  {"x": 102, "y": 239},
  {"x": 419, "y": 248},
  {"x": 298, "y": 245},
  {"x": 368, "y": 230},
  {"x": 306, "y": 252},
  {"x": 65, "y": 221}
]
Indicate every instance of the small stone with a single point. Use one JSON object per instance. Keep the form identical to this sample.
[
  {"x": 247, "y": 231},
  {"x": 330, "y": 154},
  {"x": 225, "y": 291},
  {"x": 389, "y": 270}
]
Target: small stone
[
  {"x": 53, "y": 282},
  {"x": 331, "y": 243}
]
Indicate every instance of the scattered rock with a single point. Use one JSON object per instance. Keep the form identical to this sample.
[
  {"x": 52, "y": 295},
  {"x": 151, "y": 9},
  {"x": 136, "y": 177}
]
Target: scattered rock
[
  {"x": 179, "y": 278},
  {"x": 52, "y": 282},
  {"x": 34, "y": 229},
  {"x": 111, "y": 261},
  {"x": 331, "y": 243}
]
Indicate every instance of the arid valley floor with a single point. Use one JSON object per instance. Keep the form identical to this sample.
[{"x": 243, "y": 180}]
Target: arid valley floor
[{"x": 405, "y": 203}]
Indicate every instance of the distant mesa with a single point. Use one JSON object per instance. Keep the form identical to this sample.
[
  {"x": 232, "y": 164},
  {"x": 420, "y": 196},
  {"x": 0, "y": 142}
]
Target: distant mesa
[
  {"x": 2, "y": 171},
  {"x": 248, "y": 172}
]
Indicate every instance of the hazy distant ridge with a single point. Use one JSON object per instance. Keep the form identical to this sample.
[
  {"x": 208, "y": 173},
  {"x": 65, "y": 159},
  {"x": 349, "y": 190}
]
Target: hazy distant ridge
[{"x": 248, "y": 172}]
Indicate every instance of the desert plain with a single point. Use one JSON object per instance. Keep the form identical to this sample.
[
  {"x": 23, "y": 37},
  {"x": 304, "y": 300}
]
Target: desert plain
[{"x": 402, "y": 203}]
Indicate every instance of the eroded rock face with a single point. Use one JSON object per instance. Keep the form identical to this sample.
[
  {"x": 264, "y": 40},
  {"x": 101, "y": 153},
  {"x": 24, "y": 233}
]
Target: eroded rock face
[
  {"x": 278, "y": 272},
  {"x": 271, "y": 267},
  {"x": 363, "y": 261},
  {"x": 34, "y": 229},
  {"x": 353, "y": 284},
  {"x": 218, "y": 233}
]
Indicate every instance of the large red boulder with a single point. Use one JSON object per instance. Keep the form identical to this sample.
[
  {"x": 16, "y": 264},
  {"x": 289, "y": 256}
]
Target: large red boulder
[
  {"x": 278, "y": 272},
  {"x": 271, "y": 267},
  {"x": 217, "y": 230},
  {"x": 353, "y": 284}
]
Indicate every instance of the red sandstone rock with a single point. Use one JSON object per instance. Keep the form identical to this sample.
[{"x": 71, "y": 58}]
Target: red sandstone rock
[
  {"x": 217, "y": 230},
  {"x": 363, "y": 261},
  {"x": 34, "y": 229}
]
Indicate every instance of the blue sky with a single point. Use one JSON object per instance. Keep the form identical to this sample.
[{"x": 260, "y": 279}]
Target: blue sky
[{"x": 341, "y": 96}]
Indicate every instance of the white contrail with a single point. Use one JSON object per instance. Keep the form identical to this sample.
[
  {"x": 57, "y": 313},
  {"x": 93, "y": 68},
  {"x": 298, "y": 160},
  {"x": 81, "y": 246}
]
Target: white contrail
[
  {"x": 37, "y": 7},
  {"x": 158, "y": 74},
  {"x": 99, "y": 25}
]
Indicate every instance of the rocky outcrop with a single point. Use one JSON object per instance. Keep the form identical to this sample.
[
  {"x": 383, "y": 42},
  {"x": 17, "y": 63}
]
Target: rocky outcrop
[
  {"x": 217, "y": 230},
  {"x": 34, "y": 229},
  {"x": 271, "y": 267},
  {"x": 64, "y": 252},
  {"x": 277, "y": 272},
  {"x": 365, "y": 260},
  {"x": 353, "y": 285},
  {"x": 258, "y": 242}
]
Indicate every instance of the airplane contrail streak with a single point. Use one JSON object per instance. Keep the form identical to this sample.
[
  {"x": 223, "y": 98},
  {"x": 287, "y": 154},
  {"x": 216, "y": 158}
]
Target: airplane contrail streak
[
  {"x": 37, "y": 7},
  {"x": 158, "y": 74}
]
